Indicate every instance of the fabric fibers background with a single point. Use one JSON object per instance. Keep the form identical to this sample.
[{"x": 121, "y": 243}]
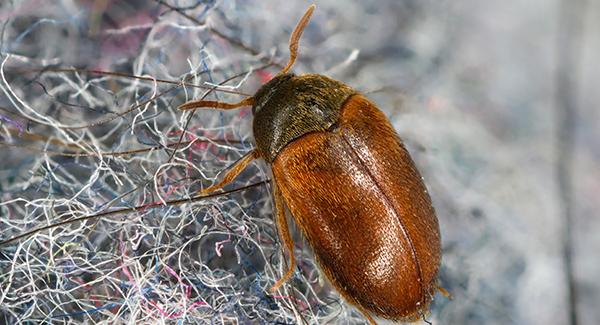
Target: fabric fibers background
[{"x": 496, "y": 101}]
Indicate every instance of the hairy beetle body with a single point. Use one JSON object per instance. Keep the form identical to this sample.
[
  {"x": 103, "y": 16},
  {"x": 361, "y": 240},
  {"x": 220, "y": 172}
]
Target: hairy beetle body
[
  {"x": 354, "y": 191},
  {"x": 351, "y": 186}
]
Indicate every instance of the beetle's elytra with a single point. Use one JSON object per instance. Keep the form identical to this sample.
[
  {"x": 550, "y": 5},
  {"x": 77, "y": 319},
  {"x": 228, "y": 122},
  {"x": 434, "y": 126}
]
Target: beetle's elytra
[{"x": 351, "y": 186}]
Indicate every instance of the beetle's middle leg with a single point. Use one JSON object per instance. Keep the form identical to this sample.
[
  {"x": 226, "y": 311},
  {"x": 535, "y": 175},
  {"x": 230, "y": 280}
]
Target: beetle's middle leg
[
  {"x": 233, "y": 172},
  {"x": 284, "y": 234}
]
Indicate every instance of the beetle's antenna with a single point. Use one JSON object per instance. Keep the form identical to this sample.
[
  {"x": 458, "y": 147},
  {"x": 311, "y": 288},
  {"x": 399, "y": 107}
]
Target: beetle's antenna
[
  {"x": 215, "y": 104},
  {"x": 295, "y": 38}
]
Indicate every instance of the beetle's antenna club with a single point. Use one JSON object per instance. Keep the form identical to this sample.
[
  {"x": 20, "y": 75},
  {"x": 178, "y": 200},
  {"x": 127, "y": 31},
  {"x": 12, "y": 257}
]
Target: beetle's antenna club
[{"x": 295, "y": 38}]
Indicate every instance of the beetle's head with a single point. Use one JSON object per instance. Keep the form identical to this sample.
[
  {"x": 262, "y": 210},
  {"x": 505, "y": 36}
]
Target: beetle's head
[{"x": 265, "y": 93}]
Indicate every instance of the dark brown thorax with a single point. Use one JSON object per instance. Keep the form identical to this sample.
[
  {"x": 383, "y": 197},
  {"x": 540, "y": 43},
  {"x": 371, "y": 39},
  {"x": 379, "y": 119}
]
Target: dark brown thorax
[{"x": 288, "y": 107}]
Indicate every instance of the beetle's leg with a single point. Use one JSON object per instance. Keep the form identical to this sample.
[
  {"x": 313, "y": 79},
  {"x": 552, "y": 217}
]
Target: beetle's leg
[
  {"x": 366, "y": 314},
  {"x": 284, "y": 234},
  {"x": 194, "y": 104},
  {"x": 444, "y": 292},
  {"x": 233, "y": 171}
]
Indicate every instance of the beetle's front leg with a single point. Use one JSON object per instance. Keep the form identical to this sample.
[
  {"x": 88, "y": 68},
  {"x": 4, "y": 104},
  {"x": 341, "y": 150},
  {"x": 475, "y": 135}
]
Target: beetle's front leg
[
  {"x": 233, "y": 172},
  {"x": 284, "y": 235}
]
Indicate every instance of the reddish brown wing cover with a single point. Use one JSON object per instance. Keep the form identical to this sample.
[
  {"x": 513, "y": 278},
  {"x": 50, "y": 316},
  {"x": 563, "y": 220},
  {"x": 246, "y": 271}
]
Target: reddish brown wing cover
[{"x": 363, "y": 207}]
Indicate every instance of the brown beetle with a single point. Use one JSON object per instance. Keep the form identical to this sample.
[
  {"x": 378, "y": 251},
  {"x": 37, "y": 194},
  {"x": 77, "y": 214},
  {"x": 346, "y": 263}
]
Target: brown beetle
[{"x": 351, "y": 186}]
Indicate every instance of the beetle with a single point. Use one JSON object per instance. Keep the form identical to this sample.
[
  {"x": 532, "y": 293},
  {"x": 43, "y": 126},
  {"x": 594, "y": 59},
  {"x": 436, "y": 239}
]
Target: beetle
[{"x": 350, "y": 185}]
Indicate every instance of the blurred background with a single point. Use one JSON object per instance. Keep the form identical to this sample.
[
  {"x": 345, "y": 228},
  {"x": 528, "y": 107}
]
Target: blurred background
[{"x": 495, "y": 101}]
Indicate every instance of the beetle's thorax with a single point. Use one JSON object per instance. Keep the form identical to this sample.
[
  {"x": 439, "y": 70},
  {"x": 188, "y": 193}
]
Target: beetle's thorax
[{"x": 289, "y": 106}]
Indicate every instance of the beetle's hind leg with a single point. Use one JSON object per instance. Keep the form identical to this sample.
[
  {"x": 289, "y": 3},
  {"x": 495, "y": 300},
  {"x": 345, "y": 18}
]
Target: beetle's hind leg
[
  {"x": 444, "y": 292},
  {"x": 284, "y": 234},
  {"x": 233, "y": 172},
  {"x": 367, "y": 315}
]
